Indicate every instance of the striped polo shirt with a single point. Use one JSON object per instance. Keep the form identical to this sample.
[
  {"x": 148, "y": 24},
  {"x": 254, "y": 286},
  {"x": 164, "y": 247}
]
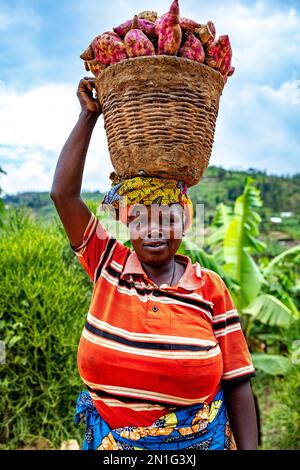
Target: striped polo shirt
[{"x": 146, "y": 349}]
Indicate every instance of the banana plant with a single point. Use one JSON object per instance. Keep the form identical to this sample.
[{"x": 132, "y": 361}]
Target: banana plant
[
  {"x": 220, "y": 224},
  {"x": 205, "y": 259},
  {"x": 292, "y": 254},
  {"x": 282, "y": 275},
  {"x": 222, "y": 219},
  {"x": 235, "y": 241},
  {"x": 241, "y": 241}
]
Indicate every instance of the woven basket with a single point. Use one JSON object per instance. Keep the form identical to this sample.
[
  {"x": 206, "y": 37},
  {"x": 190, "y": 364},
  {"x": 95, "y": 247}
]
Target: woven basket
[{"x": 160, "y": 114}]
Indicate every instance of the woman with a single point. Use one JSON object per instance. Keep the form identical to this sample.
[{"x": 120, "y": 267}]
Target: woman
[{"x": 162, "y": 354}]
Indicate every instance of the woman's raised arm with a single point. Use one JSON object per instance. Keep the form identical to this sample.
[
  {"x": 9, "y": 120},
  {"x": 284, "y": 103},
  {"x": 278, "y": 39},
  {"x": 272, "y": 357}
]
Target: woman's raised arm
[{"x": 66, "y": 186}]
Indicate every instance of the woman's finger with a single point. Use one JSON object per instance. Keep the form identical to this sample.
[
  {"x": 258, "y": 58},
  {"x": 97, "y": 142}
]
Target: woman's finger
[
  {"x": 84, "y": 85},
  {"x": 89, "y": 86},
  {"x": 90, "y": 79}
]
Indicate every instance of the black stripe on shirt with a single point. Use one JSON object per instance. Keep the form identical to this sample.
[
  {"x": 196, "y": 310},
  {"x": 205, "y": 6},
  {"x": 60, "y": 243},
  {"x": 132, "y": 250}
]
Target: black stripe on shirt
[
  {"x": 122, "y": 282},
  {"x": 196, "y": 303},
  {"x": 143, "y": 344},
  {"x": 222, "y": 324},
  {"x": 109, "y": 247},
  {"x": 126, "y": 399},
  {"x": 240, "y": 378}
]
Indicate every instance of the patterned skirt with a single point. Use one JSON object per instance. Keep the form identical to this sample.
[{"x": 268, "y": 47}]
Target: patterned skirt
[{"x": 200, "y": 427}]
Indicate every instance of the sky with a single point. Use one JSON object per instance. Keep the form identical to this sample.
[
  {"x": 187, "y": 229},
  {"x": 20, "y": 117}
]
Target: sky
[{"x": 40, "y": 43}]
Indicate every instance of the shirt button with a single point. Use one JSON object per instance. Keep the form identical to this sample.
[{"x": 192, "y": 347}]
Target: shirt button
[{"x": 155, "y": 308}]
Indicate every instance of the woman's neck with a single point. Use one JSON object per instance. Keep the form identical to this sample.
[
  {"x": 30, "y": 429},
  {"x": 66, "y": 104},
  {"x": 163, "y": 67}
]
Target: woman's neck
[{"x": 161, "y": 273}]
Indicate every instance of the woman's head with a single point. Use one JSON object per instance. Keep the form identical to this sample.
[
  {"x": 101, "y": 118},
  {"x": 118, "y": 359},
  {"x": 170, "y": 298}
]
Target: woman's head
[
  {"x": 156, "y": 231},
  {"x": 156, "y": 211}
]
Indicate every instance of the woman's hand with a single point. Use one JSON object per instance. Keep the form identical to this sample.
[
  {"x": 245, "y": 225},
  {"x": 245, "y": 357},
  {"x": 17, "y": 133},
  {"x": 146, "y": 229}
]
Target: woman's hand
[{"x": 88, "y": 103}]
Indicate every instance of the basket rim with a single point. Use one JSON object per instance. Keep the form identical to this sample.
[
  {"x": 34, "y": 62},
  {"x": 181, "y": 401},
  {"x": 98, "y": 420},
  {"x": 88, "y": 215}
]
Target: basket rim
[{"x": 216, "y": 75}]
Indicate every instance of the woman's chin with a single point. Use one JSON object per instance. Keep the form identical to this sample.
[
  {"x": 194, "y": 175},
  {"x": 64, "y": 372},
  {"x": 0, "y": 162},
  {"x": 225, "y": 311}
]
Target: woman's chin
[{"x": 155, "y": 255}]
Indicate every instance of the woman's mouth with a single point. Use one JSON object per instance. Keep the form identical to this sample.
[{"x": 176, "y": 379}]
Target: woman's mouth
[{"x": 155, "y": 245}]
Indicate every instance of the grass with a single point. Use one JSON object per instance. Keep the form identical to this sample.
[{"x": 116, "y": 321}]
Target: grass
[
  {"x": 279, "y": 405},
  {"x": 44, "y": 297}
]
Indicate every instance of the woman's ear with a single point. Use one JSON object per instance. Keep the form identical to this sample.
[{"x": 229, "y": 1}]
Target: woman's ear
[{"x": 187, "y": 218}]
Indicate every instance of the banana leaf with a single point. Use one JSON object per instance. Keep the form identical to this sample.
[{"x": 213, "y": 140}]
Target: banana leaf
[
  {"x": 205, "y": 260},
  {"x": 221, "y": 221},
  {"x": 240, "y": 241},
  {"x": 271, "y": 364},
  {"x": 291, "y": 253},
  {"x": 269, "y": 311}
]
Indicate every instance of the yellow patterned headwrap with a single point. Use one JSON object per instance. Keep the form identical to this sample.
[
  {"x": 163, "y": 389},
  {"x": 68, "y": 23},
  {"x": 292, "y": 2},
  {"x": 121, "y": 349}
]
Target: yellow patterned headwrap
[{"x": 147, "y": 190}]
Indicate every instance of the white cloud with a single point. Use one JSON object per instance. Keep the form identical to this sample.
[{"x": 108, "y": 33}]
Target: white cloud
[
  {"x": 35, "y": 126},
  {"x": 257, "y": 127}
]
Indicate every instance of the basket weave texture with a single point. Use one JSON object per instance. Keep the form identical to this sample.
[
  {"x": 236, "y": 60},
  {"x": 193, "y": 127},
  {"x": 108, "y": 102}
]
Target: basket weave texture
[{"x": 160, "y": 114}]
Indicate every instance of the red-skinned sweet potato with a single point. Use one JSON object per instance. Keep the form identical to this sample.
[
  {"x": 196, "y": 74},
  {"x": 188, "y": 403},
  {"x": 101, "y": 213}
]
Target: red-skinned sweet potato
[
  {"x": 137, "y": 43},
  {"x": 192, "y": 49},
  {"x": 109, "y": 48},
  {"x": 188, "y": 25},
  {"x": 168, "y": 31},
  {"x": 144, "y": 25},
  {"x": 148, "y": 15}
]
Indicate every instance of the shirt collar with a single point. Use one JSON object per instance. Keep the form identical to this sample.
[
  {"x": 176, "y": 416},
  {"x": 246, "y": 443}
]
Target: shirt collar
[{"x": 191, "y": 279}]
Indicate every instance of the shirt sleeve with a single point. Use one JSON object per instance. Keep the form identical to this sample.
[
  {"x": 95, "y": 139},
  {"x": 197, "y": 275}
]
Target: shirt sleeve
[
  {"x": 237, "y": 361},
  {"x": 96, "y": 246}
]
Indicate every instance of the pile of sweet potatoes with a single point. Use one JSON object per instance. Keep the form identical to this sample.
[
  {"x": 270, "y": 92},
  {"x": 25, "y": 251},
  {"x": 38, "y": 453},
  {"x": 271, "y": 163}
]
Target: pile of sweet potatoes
[{"x": 147, "y": 34}]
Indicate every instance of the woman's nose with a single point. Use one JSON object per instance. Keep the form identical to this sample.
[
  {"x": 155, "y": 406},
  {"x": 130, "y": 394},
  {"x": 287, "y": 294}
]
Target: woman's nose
[{"x": 155, "y": 230}]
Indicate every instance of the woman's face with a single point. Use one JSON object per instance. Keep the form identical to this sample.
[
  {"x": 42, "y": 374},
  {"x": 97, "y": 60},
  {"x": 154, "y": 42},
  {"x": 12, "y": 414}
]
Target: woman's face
[{"x": 156, "y": 232}]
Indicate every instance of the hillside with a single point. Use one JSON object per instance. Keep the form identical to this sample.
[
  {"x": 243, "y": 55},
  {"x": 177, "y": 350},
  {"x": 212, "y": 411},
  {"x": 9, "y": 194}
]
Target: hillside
[{"x": 280, "y": 194}]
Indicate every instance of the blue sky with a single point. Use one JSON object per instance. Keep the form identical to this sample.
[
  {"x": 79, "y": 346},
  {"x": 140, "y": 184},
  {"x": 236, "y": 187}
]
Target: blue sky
[{"x": 41, "y": 40}]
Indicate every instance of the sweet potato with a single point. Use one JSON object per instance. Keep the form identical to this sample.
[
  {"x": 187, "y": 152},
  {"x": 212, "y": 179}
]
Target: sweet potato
[
  {"x": 123, "y": 28},
  {"x": 95, "y": 67},
  {"x": 192, "y": 49},
  {"x": 88, "y": 54},
  {"x": 225, "y": 62},
  {"x": 231, "y": 71},
  {"x": 137, "y": 43},
  {"x": 159, "y": 20},
  {"x": 148, "y": 15},
  {"x": 188, "y": 25},
  {"x": 109, "y": 49},
  {"x": 144, "y": 25},
  {"x": 148, "y": 27},
  {"x": 168, "y": 31},
  {"x": 215, "y": 51},
  {"x": 206, "y": 32}
]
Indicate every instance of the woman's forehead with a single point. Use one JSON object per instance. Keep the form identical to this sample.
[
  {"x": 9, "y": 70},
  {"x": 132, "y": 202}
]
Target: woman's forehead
[{"x": 154, "y": 209}]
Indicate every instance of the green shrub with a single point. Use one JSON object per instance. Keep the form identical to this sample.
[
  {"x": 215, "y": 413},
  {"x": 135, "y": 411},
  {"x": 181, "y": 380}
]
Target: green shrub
[
  {"x": 279, "y": 405},
  {"x": 44, "y": 296}
]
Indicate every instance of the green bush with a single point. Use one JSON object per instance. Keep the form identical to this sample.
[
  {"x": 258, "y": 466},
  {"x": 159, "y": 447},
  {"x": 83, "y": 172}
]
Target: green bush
[
  {"x": 279, "y": 405},
  {"x": 44, "y": 296}
]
